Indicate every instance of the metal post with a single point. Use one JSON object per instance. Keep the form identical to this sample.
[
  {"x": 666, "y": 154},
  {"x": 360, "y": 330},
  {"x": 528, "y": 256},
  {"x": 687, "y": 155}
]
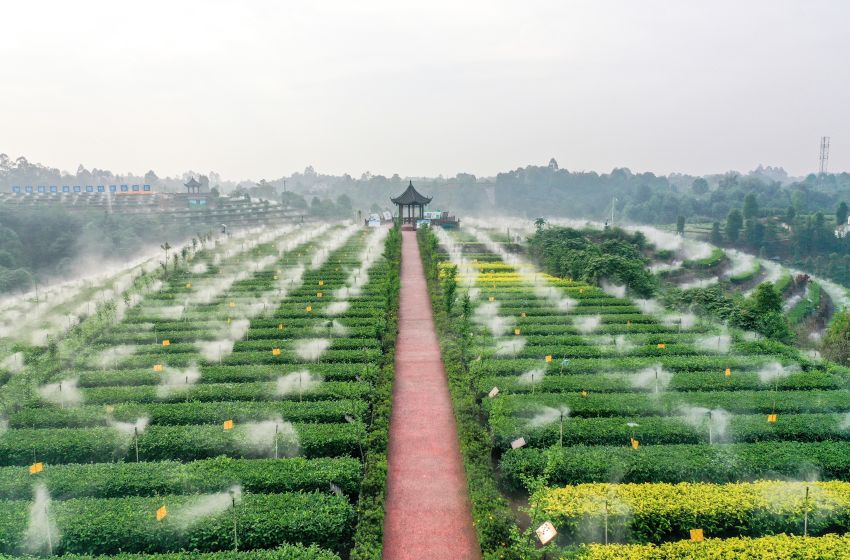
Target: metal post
[
  {"x": 136, "y": 438},
  {"x": 606, "y": 520},
  {"x": 562, "y": 429},
  {"x": 806, "y": 515}
]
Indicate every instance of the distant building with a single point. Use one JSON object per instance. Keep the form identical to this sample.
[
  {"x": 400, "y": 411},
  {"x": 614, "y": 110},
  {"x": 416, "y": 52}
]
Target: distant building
[{"x": 843, "y": 229}]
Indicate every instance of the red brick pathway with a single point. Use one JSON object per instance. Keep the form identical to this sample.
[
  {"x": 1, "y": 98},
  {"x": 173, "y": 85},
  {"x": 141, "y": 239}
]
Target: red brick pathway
[{"x": 427, "y": 506}]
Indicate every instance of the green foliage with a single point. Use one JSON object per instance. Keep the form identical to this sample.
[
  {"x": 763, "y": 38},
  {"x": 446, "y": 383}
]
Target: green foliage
[
  {"x": 284, "y": 552},
  {"x": 592, "y": 256},
  {"x": 835, "y": 345},
  {"x": 116, "y": 480},
  {"x": 674, "y": 463},
  {"x": 108, "y": 526},
  {"x": 734, "y": 223}
]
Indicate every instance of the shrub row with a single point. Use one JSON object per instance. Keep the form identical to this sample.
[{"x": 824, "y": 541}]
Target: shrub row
[
  {"x": 284, "y": 552},
  {"x": 190, "y": 413},
  {"x": 115, "y": 480},
  {"x": 658, "y": 512},
  {"x": 182, "y": 443},
  {"x": 674, "y": 463},
  {"x": 109, "y": 526}
]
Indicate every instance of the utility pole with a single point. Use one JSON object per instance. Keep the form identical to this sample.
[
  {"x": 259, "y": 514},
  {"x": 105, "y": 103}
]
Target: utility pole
[
  {"x": 823, "y": 159},
  {"x": 613, "y": 202}
]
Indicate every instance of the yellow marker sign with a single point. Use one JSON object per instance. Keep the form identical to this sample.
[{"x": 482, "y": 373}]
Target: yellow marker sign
[
  {"x": 228, "y": 320},
  {"x": 584, "y": 393},
  {"x": 157, "y": 367},
  {"x": 548, "y": 358},
  {"x": 309, "y": 308},
  {"x": 523, "y": 314},
  {"x": 581, "y": 290},
  {"x": 697, "y": 535},
  {"x": 188, "y": 284},
  {"x": 516, "y": 332},
  {"x": 228, "y": 424},
  {"x": 274, "y": 277},
  {"x": 231, "y": 304},
  {"x": 771, "y": 418},
  {"x": 280, "y": 326},
  {"x": 635, "y": 443},
  {"x": 275, "y": 351},
  {"x": 166, "y": 342},
  {"x": 109, "y": 409},
  {"x": 662, "y": 346},
  {"x": 318, "y": 294},
  {"x": 321, "y": 282},
  {"x": 36, "y": 468},
  {"x": 161, "y": 513},
  {"x": 629, "y": 323},
  {"x": 728, "y": 372},
  {"x": 491, "y": 298}
]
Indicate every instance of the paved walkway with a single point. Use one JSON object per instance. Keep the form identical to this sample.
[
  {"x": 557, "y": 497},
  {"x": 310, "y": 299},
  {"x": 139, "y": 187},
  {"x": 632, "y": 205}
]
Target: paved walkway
[{"x": 427, "y": 506}]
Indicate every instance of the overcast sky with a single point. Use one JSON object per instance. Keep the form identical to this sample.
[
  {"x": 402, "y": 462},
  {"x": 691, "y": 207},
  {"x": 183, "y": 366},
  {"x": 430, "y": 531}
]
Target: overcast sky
[{"x": 258, "y": 89}]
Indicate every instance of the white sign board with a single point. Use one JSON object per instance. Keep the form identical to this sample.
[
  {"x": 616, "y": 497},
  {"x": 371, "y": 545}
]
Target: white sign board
[
  {"x": 493, "y": 392},
  {"x": 517, "y": 443},
  {"x": 546, "y": 532}
]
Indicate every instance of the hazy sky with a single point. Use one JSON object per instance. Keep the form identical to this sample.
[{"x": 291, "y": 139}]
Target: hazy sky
[{"x": 260, "y": 89}]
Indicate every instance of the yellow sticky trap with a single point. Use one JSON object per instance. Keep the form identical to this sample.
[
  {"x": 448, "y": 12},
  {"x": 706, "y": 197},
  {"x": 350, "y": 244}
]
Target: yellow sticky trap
[
  {"x": 662, "y": 346},
  {"x": 275, "y": 351},
  {"x": 157, "y": 367},
  {"x": 581, "y": 290},
  {"x": 228, "y": 320},
  {"x": 629, "y": 323},
  {"x": 523, "y": 314},
  {"x": 228, "y": 424},
  {"x": 231, "y": 304},
  {"x": 728, "y": 372},
  {"x": 318, "y": 294},
  {"x": 516, "y": 332},
  {"x": 109, "y": 409},
  {"x": 491, "y": 298},
  {"x": 161, "y": 513},
  {"x": 697, "y": 535},
  {"x": 771, "y": 418},
  {"x": 583, "y": 394},
  {"x": 188, "y": 284},
  {"x": 494, "y": 284},
  {"x": 308, "y": 309},
  {"x": 635, "y": 443},
  {"x": 280, "y": 327},
  {"x": 321, "y": 282},
  {"x": 36, "y": 468},
  {"x": 548, "y": 358},
  {"x": 166, "y": 342},
  {"x": 275, "y": 276}
]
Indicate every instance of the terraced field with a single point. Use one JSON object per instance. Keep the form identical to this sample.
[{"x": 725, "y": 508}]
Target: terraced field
[
  {"x": 230, "y": 410},
  {"x": 620, "y": 423}
]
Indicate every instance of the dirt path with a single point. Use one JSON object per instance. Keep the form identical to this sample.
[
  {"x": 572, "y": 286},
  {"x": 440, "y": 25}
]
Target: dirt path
[{"x": 427, "y": 507}]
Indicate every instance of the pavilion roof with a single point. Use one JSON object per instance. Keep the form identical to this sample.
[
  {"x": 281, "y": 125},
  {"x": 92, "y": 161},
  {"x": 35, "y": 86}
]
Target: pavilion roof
[
  {"x": 411, "y": 196},
  {"x": 192, "y": 183}
]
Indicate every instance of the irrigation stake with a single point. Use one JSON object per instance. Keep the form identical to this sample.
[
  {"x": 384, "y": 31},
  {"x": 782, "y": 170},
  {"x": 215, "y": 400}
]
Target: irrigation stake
[
  {"x": 275, "y": 441},
  {"x": 606, "y": 520},
  {"x": 710, "y": 439},
  {"x": 561, "y": 440},
  {"x": 136, "y": 439},
  {"x": 806, "y": 515},
  {"x": 235, "y": 539}
]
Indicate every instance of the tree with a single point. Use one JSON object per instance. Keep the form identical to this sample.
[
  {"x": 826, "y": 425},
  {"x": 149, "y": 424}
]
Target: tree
[
  {"x": 790, "y": 214},
  {"x": 716, "y": 236},
  {"x": 835, "y": 345},
  {"x": 751, "y": 207},
  {"x": 766, "y": 298},
  {"x": 680, "y": 225},
  {"x": 699, "y": 186},
  {"x": 539, "y": 223},
  {"x": 841, "y": 214},
  {"x": 734, "y": 222}
]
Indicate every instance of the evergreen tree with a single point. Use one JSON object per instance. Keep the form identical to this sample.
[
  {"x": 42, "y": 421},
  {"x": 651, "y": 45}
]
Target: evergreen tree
[
  {"x": 734, "y": 222},
  {"x": 751, "y": 207},
  {"x": 716, "y": 236}
]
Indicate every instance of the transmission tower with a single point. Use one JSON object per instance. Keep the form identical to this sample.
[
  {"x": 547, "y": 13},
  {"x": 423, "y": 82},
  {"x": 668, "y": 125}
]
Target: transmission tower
[{"x": 824, "y": 155}]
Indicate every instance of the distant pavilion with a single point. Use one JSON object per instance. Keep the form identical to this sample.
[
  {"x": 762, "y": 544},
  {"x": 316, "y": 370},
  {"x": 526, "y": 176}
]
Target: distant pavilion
[{"x": 412, "y": 200}]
